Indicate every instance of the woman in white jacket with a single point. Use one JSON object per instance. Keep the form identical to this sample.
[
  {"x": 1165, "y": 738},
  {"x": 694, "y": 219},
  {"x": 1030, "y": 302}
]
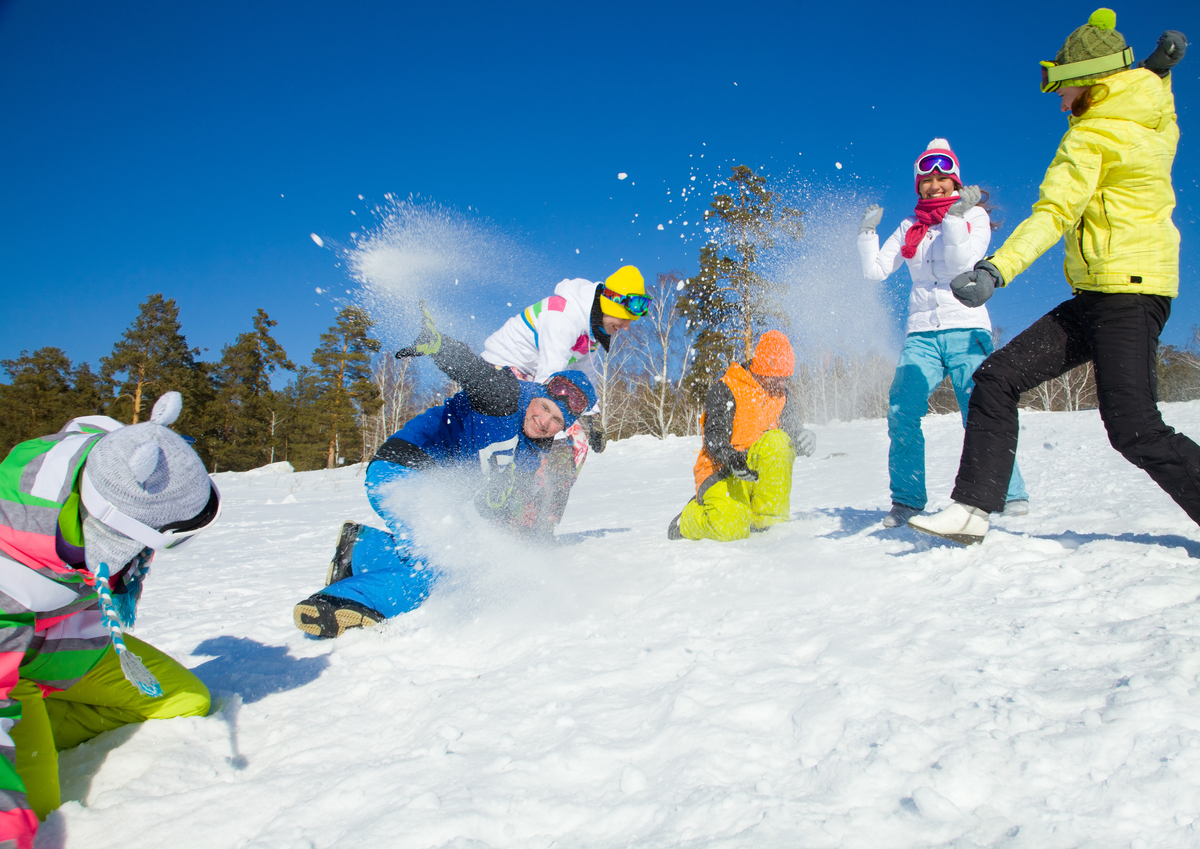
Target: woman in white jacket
[{"x": 946, "y": 236}]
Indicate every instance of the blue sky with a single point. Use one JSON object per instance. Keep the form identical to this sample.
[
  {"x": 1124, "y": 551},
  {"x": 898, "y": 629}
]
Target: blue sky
[{"x": 191, "y": 149}]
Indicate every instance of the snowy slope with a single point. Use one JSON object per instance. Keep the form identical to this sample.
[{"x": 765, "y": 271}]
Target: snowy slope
[{"x": 827, "y": 684}]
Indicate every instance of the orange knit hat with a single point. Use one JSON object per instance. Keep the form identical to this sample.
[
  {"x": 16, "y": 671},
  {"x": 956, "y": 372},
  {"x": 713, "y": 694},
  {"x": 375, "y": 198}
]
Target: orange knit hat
[{"x": 773, "y": 356}]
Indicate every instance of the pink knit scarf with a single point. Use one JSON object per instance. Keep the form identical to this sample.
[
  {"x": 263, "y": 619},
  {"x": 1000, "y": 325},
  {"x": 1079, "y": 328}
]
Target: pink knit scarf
[{"x": 929, "y": 211}]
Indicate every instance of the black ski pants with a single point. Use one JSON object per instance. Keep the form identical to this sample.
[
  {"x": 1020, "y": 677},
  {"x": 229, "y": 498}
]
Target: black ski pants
[{"x": 1119, "y": 334}]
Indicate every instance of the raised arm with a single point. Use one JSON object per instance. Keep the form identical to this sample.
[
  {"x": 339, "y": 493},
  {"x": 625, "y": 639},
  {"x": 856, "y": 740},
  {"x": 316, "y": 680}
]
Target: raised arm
[
  {"x": 720, "y": 407},
  {"x": 877, "y": 262},
  {"x": 966, "y": 238},
  {"x": 1069, "y": 184},
  {"x": 493, "y": 392}
]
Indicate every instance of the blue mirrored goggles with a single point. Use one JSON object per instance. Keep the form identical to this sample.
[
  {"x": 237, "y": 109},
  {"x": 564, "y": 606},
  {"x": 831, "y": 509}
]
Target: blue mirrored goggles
[
  {"x": 638, "y": 305},
  {"x": 937, "y": 162}
]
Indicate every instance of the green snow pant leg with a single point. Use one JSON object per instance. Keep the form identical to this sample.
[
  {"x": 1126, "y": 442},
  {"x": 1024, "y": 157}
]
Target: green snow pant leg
[
  {"x": 37, "y": 758},
  {"x": 100, "y": 701},
  {"x": 732, "y": 508},
  {"x": 773, "y": 457},
  {"x": 103, "y": 700}
]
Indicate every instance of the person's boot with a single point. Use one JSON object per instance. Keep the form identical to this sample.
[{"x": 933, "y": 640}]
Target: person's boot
[
  {"x": 899, "y": 515},
  {"x": 1019, "y": 507},
  {"x": 957, "y": 523},
  {"x": 673, "y": 531},
  {"x": 329, "y": 616},
  {"x": 339, "y": 566}
]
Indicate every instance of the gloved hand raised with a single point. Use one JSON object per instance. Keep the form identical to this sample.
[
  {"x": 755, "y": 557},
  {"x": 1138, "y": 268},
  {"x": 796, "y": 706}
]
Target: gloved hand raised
[
  {"x": 1172, "y": 44},
  {"x": 595, "y": 433},
  {"x": 968, "y": 196},
  {"x": 739, "y": 469},
  {"x": 806, "y": 443},
  {"x": 974, "y": 287},
  {"x": 428, "y": 341},
  {"x": 870, "y": 219}
]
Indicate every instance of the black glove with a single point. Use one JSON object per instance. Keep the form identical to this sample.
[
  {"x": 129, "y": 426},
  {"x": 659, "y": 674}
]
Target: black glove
[
  {"x": 974, "y": 287},
  {"x": 595, "y": 433},
  {"x": 428, "y": 341},
  {"x": 739, "y": 469},
  {"x": 1172, "y": 44}
]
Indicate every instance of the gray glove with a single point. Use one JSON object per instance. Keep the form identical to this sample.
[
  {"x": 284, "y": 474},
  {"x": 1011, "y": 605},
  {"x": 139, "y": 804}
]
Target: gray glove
[
  {"x": 870, "y": 219},
  {"x": 974, "y": 287},
  {"x": 806, "y": 443},
  {"x": 1172, "y": 44},
  {"x": 739, "y": 469},
  {"x": 968, "y": 196}
]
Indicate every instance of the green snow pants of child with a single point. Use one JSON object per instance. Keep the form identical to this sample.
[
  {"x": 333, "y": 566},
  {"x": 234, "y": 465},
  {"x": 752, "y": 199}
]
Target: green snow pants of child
[
  {"x": 730, "y": 509},
  {"x": 99, "y": 701}
]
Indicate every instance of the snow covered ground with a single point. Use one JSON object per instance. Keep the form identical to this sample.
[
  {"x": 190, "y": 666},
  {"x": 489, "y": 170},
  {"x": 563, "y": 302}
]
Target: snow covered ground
[{"x": 827, "y": 684}]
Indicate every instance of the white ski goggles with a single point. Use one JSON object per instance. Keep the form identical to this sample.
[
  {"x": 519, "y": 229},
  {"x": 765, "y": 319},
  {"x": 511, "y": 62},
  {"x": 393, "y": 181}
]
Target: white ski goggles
[{"x": 171, "y": 536}]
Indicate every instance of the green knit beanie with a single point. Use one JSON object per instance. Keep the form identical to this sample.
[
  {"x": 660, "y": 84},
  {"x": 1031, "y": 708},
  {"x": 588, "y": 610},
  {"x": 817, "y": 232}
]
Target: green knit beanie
[{"x": 1098, "y": 37}]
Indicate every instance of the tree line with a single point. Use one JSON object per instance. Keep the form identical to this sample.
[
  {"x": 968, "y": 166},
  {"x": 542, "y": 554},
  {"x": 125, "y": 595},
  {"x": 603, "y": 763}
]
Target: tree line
[
  {"x": 341, "y": 408},
  {"x": 234, "y": 418}
]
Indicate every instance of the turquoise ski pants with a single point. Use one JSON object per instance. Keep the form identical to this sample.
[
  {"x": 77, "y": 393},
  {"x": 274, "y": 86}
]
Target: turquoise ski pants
[{"x": 927, "y": 359}]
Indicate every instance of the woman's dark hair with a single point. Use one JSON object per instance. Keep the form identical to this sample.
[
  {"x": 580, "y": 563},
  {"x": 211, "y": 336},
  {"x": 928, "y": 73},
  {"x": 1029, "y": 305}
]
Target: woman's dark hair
[
  {"x": 1088, "y": 98},
  {"x": 984, "y": 202}
]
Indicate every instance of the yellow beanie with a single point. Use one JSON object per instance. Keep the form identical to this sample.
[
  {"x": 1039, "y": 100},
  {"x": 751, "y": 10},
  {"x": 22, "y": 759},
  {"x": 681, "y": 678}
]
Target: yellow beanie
[{"x": 626, "y": 280}]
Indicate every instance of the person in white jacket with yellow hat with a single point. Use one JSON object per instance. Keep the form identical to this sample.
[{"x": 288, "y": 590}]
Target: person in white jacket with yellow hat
[
  {"x": 948, "y": 233},
  {"x": 563, "y": 331}
]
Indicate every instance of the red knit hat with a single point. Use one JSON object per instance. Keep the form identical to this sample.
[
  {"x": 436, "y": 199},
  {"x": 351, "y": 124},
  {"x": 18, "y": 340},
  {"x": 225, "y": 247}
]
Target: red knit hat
[{"x": 773, "y": 356}]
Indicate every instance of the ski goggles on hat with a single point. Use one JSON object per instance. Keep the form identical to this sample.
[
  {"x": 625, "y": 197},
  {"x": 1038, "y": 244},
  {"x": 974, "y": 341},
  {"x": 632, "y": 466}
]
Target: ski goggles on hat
[
  {"x": 931, "y": 162},
  {"x": 171, "y": 536},
  {"x": 567, "y": 392},
  {"x": 1053, "y": 74},
  {"x": 638, "y": 305}
]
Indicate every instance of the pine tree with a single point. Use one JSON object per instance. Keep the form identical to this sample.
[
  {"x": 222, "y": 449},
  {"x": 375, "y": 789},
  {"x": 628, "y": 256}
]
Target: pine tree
[
  {"x": 152, "y": 357},
  {"x": 729, "y": 301},
  {"x": 244, "y": 415},
  {"x": 346, "y": 390},
  {"x": 299, "y": 432},
  {"x": 40, "y": 398},
  {"x": 88, "y": 390}
]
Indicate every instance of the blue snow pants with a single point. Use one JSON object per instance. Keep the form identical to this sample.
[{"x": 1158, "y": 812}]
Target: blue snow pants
[
  {"x": 386, "y": 573},
  {"x": 925, "y": 362}
]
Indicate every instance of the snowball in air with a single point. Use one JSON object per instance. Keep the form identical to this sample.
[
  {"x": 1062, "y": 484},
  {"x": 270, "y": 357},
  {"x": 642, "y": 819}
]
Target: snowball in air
[
  {"x": 660, "y": 227},
  {"x": 839, "y": 165},
  {"x": 622, "y": 175},
  {"x": 320, "y": 242},
  {"x": 319, "y": 290}
]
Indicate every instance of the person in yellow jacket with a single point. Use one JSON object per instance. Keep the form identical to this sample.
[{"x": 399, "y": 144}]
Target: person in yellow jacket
[
  {"x": 1108, "y": 192},
  {"x": 752, "y": 432}
]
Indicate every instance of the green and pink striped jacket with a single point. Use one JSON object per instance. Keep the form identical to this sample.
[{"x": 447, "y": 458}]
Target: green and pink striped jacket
[{"x": 51, "y": 630}]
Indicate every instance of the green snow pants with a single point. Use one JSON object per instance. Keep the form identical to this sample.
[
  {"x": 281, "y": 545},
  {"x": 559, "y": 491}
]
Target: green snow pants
[
  {"x": 99, "y": 701},
  {"x": 730, "y": 508}
]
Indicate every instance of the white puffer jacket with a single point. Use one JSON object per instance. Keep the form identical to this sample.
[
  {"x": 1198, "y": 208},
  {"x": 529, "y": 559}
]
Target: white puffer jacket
[
  {"x": 948, "y": 249},
  {"x": 552, "y": 335}
]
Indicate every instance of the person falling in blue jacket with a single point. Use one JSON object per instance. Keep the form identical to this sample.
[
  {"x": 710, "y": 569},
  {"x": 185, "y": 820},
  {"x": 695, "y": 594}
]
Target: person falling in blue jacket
[{"x": 498, "y": 427}]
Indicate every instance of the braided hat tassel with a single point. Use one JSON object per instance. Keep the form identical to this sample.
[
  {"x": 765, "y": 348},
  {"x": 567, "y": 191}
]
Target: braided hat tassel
[{"x": 131, "y": 665}]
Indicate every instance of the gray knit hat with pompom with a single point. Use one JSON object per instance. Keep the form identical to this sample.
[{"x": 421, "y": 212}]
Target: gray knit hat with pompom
[{"x": 149, "y": 473}]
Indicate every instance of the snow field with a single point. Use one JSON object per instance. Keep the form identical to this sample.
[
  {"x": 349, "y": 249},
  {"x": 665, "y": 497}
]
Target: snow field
[{"x": 826, "y": 684}]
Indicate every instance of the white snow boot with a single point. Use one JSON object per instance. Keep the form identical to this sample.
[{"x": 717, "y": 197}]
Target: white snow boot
[
  {"x": 957, "y": 523},
  {"x": 1020, "y": 507}
]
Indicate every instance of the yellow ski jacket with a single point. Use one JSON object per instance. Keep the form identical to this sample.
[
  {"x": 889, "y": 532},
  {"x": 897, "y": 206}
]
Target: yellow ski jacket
[{"x": 1108, "y": 192}]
